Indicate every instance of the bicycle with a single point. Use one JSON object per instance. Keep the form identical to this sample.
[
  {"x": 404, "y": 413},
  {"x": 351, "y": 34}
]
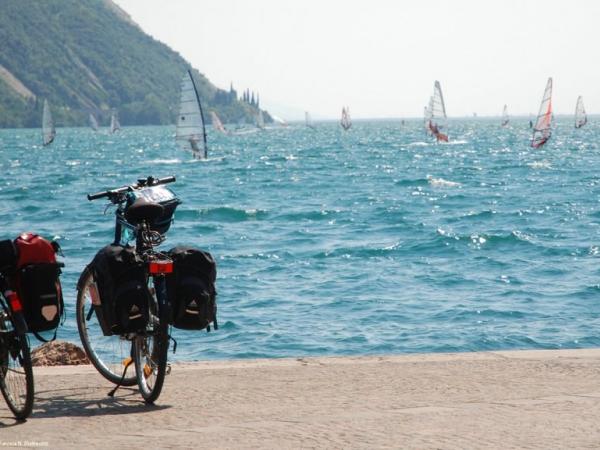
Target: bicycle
[
  {"x": 16, "y": 373},
  {"x": 112, "y": 354}
]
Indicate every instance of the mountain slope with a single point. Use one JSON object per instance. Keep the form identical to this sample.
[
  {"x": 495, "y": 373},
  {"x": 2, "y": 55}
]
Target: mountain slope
[{"x": 89, "y": 56}]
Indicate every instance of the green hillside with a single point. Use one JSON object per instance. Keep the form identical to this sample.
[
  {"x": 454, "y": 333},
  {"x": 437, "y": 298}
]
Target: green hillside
[{"x": 88, "y": 56}]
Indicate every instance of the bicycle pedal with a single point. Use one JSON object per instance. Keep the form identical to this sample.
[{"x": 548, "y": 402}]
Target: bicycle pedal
[
  {"x": 127, "y": 361},
  {"x": 147, "y": 371}
]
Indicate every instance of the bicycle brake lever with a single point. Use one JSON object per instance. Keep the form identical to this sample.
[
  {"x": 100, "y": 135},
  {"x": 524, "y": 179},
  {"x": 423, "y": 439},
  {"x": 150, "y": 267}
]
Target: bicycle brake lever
[{"x": 108, "y": 206}]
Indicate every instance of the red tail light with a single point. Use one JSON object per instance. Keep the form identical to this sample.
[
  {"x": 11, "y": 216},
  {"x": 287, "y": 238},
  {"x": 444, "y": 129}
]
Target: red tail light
[
  {"x": 15, "y": 302},
  {"x": 158, "y": 267}
]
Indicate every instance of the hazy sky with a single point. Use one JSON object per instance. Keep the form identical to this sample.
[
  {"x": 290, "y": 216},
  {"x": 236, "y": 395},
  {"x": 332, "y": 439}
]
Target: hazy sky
[{"x": 381, "y": 57}]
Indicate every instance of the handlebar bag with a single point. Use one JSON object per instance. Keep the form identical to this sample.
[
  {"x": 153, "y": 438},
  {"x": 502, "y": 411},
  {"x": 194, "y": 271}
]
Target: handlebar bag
[
  {"x": 37, "y": 283},
  {"x": 191, "y": 289},
  {"x": 164, "y": 197},
  {"x": 122, "y": 284}
]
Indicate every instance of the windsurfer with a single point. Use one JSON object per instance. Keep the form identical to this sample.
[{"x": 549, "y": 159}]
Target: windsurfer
[
  {"x": 194, "y": 143},
  {"x": 439, "y": 136}
]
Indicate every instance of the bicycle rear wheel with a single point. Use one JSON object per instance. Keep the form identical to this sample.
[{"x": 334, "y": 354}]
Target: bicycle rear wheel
[
  {"x": 16, "y": 373},
  {"x": 108, "y": 354},
  {"x": 150, "y": 353}
]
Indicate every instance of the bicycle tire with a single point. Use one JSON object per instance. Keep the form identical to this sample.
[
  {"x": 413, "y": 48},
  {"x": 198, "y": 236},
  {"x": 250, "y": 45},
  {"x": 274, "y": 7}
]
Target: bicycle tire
[
  {"x": 16, "y": 372},
  {"x": 150, "y": 352},
  {"x": 108, "y": 354}
]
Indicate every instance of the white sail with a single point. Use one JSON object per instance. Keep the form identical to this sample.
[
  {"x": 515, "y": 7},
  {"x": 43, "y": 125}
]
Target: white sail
[
  {"x": 191, "y": 133},
  {"x": 427, "y": 116},
  {"x": 505, "y": 118},
  {"x": 580, "y": 115},
  {"x": 542, "y": 130},
  {"x": 436, "y": 124},
  {"x": 93, "y": 122},
  {"x": 308, "y": 120},
  {"x": 346, "y": 121},
  {"x": 48, "y": 130},
  {"x": 438, "y": 108},
  {"x": 279, "y": 120},
  {"x": 114, "y": 123},
  {"x": 260, "y": 120},
  {"x": 216, "y": 122}
]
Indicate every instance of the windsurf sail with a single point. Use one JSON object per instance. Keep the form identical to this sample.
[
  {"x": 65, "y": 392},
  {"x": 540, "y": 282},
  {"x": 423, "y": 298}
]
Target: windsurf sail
[
  {"x": 427, "y": 116},
  {"x": 216, "y": 122},
  {"x": 542, "y": 130},
  {"x": 279, "y": 120},
  {"x": 580, "y": 115},
  {"x": 114, "y": 123},
  {"x": 505, "y": 118},
  {"x": 191, "y": 133},
  {"x": 346, "y": 121},
  {"x": 308, "y": 120},
  {"x": 438, "y": 120},
  {"x": 260, "y": 120},
  {"x": 48, "y": 130},
  {"x": 93, "y": 122}
]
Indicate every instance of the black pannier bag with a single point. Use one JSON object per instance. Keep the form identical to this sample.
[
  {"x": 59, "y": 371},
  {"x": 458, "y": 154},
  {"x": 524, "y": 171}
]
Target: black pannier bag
[
  {"x": 164, "y": 197},
  {"x": 122, "y": 283},
  {"x": 191, "y": 289},
  {"x": 41, "y": 296},
  {"x": 8, "y": 256}
]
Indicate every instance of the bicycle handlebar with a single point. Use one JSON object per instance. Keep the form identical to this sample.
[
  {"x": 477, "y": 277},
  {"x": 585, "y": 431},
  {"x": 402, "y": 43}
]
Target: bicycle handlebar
[{"x": 142, "y": 182}]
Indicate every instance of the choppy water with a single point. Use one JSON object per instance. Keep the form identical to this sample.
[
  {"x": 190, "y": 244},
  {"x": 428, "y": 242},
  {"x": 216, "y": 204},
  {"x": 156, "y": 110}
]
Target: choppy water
[{"x": 332, "y": 243}]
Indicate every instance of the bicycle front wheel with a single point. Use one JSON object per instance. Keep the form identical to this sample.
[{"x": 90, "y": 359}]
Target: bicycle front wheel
[
  {"x": 16, "y": 374},
  {"x": 150, "y": 353},
  {"x": 109, "y": 354}
]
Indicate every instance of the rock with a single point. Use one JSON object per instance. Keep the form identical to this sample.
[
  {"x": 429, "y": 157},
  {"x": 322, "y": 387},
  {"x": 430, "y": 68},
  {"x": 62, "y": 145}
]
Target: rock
[{"x": 58, "y": 353}]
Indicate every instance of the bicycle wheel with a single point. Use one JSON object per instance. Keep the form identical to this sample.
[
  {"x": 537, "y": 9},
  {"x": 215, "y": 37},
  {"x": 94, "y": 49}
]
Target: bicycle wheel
[
  {"x": 150, "y": 353},
  {"x": 16, "y": 374},
  {"x": 108, "y": 354}
]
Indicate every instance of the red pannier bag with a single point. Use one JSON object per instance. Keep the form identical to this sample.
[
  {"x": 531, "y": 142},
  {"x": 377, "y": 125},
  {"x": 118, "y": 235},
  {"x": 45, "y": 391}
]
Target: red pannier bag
[{"x": 36, "y": 282}]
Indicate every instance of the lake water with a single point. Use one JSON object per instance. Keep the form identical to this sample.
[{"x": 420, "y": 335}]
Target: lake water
[{"x": 372, "y": 241}]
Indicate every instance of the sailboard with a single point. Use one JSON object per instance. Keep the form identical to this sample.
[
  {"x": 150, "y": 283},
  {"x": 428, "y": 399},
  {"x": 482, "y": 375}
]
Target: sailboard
[
  {"x": 505, "y": 118},
  {"x": 115, "y": 125},
  {"x": 93, "y": 122},
  {"x": 216, "y": 123},
  {"x": 346, "y": 121},
  {"x": 542, "y": 130},
  {"x": 580, "y": 115},
  {"x": 308, "y": 120},
  {"x": 48, "y": 130},
  {"x": 437, "y": 115},
  {"x": 191, "y": 132}
]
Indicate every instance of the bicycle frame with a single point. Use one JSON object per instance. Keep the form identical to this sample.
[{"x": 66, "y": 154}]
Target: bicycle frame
[{"x": 122, "y": 225}]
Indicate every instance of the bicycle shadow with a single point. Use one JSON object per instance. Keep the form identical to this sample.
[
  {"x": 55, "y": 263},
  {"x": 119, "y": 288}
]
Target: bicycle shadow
[
  {"x": 9, "y": 420},
  {"x": 90, "y": 402}
]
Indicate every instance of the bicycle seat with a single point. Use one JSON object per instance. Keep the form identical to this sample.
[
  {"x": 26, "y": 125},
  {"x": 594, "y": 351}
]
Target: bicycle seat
[{"x": 142, "y": 210}]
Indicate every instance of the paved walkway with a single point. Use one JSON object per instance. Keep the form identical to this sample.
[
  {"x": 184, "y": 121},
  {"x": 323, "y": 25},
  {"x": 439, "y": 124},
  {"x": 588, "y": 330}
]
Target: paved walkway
[{"x": 500, "y": 400}]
